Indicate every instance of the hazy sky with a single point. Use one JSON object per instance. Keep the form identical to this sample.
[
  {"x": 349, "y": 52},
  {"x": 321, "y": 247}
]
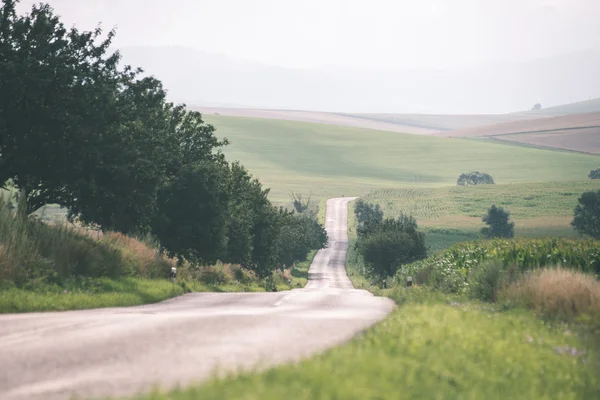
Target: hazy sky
[{"x": 352, "y": 33}]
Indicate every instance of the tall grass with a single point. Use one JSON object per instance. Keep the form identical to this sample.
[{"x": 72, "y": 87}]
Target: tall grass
[
  {"x": 557, "y": 293},
  {"x": 33, "y": 253}
]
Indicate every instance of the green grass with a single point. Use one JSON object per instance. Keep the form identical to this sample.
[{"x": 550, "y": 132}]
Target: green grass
[
  {"x": 89, "y": 293},
  {"x": 332, "y": 161},
  {"x": 429, "y": 350}
]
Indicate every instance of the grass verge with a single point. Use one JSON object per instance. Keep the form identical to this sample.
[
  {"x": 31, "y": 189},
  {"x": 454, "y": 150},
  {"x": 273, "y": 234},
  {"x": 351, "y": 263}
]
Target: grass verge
[
  {"x": 429, "y": 350},
  {"x": 89, "y": 293}
]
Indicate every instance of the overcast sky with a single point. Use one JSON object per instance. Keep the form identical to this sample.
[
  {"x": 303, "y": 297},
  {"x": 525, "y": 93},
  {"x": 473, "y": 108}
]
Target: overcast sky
[{"x": 351, "y": 33}]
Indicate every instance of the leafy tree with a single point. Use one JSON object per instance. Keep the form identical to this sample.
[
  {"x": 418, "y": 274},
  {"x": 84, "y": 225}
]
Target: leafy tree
[
  {"x": 56, "y": 86},
  {"x": 594, "y": 174},
  {"x": 77, "y": 130},
  {"x": 475, "y": 178},
  {"x": 587, "y": 214},
  {"x": 498, "y": 223},
  {"x": 192, "y": 213},
  {"x": 265, "y": 233},
  {"x": 299, "y": 235}
]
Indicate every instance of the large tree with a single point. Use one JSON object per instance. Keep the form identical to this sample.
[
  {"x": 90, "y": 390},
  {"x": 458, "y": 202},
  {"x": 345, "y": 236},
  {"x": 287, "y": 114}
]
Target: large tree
[{"x": 79, "y": 131}]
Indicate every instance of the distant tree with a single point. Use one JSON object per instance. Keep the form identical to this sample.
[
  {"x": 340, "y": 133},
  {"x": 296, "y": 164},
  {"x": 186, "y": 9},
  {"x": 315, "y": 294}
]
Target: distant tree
[
  {"x": 368, "y": 216},
  {"x": 594, "y": 174},
  {"x": 498, "y": 224},
  {"x": 537, "y": 106},
  {"x": 300, "y": 204},
  {"x": 587, "y": 214},
  {"x": 299, "y": 235},
  {"x": 475, "y": 178}
]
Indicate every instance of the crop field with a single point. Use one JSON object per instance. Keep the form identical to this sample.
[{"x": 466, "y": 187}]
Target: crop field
[
  {"x": 441, "y": 122},
  {"x": 332, "y": 160},
  {"x": 577, "y": 132},
  {"x": 453, "y": 214}
]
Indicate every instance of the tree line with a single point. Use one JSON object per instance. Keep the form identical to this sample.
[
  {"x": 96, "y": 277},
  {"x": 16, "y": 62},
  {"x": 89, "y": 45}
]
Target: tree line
[{"x": 79, "y": 130}]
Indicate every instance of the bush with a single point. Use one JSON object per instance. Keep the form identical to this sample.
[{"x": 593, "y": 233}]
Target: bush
[
  {"x": 474, "y": 178},
  {"x": 557, "y": 292},
  {"x": 385, "y": 246},
  {"x": 486, "y": 280},
  {"x": 498, "y": 225},
  {"x": 587, "y": 214},
  {"x": 33, "y": 253},
  {"x": 595, "y": 173}
]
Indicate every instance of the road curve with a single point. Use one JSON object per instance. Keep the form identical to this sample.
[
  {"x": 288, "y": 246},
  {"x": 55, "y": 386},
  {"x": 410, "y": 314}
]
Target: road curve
[{"x": 122, "y": 351}]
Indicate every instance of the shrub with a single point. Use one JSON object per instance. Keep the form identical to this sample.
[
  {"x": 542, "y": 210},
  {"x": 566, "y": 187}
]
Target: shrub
[
  {"x": 498, "y": 225},
  {"x": 556, "y": 292},
  {"x": 486, "y": 280},
  {"x": 33, "y": 253},
  {"x": 384, "y": 247},
  {"x": 587, "y": 214},
  {"x": 215, "y": 275},
  {"x": 595, "y": 173},
  {"x": 474, "y": 178}
]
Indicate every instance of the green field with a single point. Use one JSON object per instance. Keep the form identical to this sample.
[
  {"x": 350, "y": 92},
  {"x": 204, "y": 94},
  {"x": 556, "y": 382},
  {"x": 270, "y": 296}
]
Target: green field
[
  {"x": 453, "y": 214},
  {"x": 333, "y": 160}
]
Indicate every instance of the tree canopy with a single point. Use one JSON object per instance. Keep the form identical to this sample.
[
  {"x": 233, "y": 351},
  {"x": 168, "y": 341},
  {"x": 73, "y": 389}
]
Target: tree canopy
[{"x": 80, "y": 130}]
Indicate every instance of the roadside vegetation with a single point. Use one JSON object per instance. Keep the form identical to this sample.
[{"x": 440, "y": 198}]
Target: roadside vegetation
[
  {"x": 56, "y": 267},
  {"x": 491, "y": 318},
  {"x": 124, "y": 163}
]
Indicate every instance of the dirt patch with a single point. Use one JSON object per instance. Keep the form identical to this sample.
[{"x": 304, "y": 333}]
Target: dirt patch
[
  {"x": 540, "y": 125},
  {"x": 317, "y": 117},
  {"x": 578, "y": 132},
  {"x": 586, "y": 140}
]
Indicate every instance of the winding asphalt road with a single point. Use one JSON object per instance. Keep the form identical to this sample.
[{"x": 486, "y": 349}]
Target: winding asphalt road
[{"x": 121, "y": 351}]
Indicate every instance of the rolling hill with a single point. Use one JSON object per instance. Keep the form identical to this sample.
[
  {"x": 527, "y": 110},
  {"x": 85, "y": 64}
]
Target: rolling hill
[
  {"x": 334, "y": 160},
  {"x": 576, "y": 132}
]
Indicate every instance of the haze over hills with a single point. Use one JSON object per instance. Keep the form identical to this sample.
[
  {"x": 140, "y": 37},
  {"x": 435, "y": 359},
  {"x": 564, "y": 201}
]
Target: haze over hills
[{"x": 203, "y": 79}]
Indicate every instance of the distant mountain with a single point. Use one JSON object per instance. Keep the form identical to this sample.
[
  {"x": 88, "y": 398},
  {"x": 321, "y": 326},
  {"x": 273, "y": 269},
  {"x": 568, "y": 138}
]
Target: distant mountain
[{"x": 203, "y": 79}]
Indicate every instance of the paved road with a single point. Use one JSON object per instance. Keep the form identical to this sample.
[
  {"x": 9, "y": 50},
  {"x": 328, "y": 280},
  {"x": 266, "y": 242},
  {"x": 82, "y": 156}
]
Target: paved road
[{"x": 121, "y": 351}]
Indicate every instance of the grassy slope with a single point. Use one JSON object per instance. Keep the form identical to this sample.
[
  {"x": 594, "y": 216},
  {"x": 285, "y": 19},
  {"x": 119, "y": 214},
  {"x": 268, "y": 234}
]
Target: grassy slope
[
  {"x": 453, "y": 214},
  {"x": 333, "y": 161},
  {"x": 95, "y": 293}
]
